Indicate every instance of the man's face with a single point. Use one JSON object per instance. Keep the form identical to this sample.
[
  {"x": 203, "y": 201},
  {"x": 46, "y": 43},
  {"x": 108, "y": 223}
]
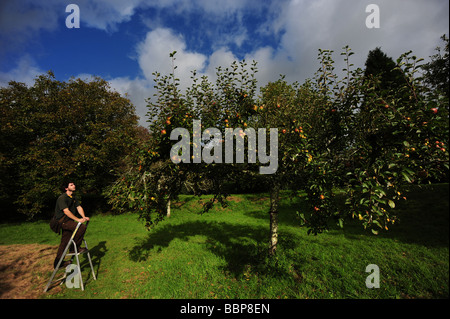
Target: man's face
[{"x": 71, "y": 187}]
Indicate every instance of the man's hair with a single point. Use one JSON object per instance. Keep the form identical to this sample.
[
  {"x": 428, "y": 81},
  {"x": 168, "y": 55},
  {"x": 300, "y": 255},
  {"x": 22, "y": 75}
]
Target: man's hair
[{"x": 65, "y": 184}]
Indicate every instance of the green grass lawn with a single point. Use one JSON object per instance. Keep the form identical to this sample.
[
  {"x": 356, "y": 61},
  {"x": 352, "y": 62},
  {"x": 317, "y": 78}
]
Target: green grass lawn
[{"x": 221, "y": 254}]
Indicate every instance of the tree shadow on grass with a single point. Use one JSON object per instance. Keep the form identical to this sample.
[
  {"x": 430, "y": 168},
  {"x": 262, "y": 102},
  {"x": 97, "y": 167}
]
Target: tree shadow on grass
[
  {"x": 423, "y": 219},
  {"x": 240, "y": 246}
]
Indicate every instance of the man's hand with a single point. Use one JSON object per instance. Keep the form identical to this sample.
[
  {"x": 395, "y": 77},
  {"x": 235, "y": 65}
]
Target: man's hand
[{"x": 81, "y": 220}]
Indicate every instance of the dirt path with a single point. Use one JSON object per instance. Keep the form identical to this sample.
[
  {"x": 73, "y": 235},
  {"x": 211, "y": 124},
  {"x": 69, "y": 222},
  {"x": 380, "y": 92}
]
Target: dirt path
[{"x": 25, "y": 270}]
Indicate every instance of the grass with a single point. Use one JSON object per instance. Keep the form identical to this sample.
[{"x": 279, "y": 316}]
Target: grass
[{"x": 221, "y": 254}]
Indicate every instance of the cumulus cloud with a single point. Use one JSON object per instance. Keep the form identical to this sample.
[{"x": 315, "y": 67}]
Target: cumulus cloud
[
  {"x": 153, "y": 55},
  {"x": 25, "y": 71},
  {"x": 221, "y": 57},
  {"x": 332, "y": 24},
  {"x": 137, "y": 90},
  {"x": 107, "y": 14}
]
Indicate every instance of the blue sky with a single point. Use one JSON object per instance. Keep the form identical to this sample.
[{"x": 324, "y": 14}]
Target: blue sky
[{"x": 125, "y": 41}]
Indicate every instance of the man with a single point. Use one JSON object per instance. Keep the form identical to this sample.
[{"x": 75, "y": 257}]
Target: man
[{"x": 68, "y": 213}]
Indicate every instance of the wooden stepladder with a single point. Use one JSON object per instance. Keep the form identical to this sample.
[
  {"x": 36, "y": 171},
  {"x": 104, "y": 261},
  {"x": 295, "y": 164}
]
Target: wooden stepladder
[{"x": 75, "y": 254}]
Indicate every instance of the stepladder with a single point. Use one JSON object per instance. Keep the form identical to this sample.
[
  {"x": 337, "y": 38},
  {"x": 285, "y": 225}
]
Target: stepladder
[{"x": 76, "y": 252}]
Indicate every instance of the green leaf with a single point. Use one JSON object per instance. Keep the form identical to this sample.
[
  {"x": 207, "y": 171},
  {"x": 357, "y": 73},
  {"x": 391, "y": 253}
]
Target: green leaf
[
  {"x": 377, "y": 223},
  {"x": 407, "y": 177},
  {"x": 380, "y": 200},
  {"x": 391, "y": 203},
  {"x": 380, "y": 191}
]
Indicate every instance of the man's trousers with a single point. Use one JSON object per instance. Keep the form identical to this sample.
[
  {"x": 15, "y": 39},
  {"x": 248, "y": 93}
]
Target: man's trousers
[{"x": 68, "y": 227}]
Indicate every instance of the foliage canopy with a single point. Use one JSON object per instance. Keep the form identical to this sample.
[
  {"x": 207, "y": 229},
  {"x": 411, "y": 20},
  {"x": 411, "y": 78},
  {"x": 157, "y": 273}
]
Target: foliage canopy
[
  {"x": 368, "y": 133},
  {"x": 53, "y": 130}
]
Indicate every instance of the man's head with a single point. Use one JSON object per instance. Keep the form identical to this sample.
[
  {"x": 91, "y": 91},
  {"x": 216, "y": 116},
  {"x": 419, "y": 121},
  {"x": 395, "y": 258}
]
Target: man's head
[{"x": 67, "y": 186}]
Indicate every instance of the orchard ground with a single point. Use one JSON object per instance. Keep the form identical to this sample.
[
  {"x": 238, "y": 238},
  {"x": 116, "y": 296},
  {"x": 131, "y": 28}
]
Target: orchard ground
[{"x": 223, "y": 254}]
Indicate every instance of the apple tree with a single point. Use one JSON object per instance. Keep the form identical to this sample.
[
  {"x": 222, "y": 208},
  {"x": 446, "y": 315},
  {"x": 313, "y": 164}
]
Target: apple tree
[
  {"x": 154, "y": 179},
  {"x": 393, "y": 136}
]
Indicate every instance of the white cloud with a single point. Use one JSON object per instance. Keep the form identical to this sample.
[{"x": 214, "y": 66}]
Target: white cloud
[
  {"x": 106, "y": 14},
  {"x": 137, "y": 90},
  {"x": 331, "y": 24},
  {"x": 222, "y": 57},
  {"x": 153, "y": 55},
  {"x": 211, "y": 8},
  {"x": 25, "y": 71}
]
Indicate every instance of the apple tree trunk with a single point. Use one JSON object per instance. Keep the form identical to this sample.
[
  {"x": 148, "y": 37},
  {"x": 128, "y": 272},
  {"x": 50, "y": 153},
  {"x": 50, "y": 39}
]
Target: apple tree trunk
[
  {"x": 273, "y": 213},
  {"x": 168, "y": 208}
]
